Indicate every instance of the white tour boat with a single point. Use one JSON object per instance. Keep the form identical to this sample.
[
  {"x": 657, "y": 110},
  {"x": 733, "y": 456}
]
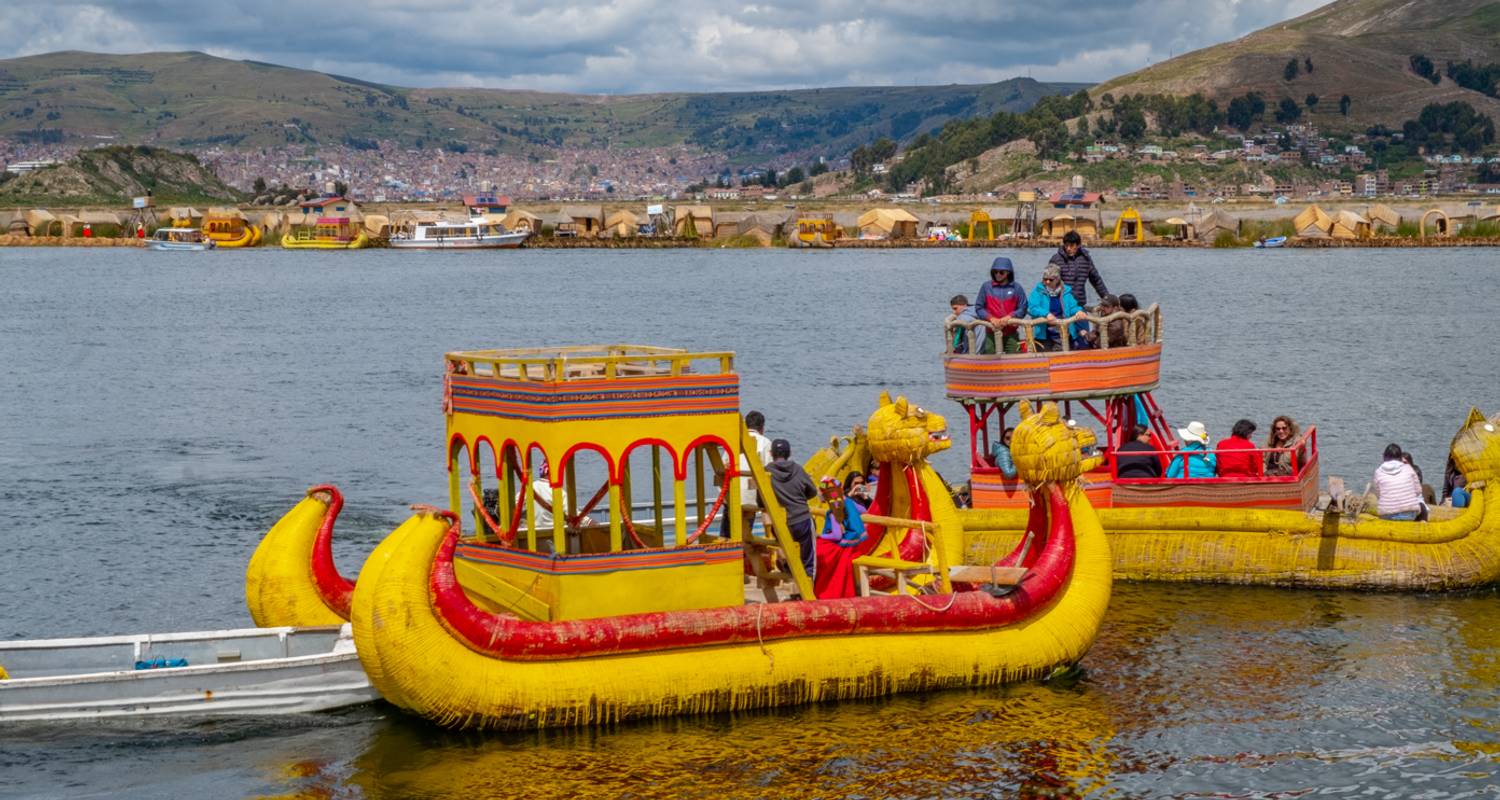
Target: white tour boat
[
  {"x": 478, "y": 232},
  {"x": 180, "y": 239},
  {"x": 251, "y": 671}
]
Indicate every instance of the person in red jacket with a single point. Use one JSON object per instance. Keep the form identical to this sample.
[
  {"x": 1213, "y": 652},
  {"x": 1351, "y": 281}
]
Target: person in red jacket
[{"x": 1237, "y": 454}]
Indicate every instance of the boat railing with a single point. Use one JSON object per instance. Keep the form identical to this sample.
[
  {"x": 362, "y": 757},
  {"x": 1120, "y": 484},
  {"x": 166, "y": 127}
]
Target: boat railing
[
  {"x": 1141, "y": 327},
  {"x": 1302, "y": 451},
  {"x": 618, "y": 362}
]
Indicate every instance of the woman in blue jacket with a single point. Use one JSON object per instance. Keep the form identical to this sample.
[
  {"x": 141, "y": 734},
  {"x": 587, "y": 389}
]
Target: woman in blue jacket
[
  {"x": 1194, "y": 454},
  {"x": 1051, "y": 300}
]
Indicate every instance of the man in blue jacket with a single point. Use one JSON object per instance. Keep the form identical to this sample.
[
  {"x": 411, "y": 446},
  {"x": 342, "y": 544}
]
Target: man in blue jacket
[{"x": 1001, "y": 297}]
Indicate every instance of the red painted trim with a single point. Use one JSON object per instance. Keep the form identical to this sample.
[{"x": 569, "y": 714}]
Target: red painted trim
[
  {"x": 336, "y": 591},
  {"x": 567, "y": 456},
  {"x": 678, "y": 469},
  {"x": 460, "y": 441},
  {"x": 509, "y": 638},
  {"x": 731, "y": 465}
]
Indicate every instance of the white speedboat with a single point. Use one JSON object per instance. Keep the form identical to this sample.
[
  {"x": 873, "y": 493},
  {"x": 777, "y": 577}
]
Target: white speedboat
[
  {"x": 477, "y": 233},
  {"x": 180, "y": 239},
  {"x": 1274, "y": 241},
  {"x": 252, "y": 671}
]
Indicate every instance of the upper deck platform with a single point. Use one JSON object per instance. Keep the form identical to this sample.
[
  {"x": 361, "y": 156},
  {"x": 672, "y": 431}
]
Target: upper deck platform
[
  {"x": 1064, "y": 374},
  {"x": 590, "y": 382}
]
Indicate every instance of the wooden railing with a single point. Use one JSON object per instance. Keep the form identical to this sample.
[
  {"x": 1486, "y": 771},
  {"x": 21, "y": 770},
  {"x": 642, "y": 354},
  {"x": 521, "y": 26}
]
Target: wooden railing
[
  {"x": 1140, "y": 327},
  {"x": 1302, "y": 451},
  {"x": 588, "y": 362}
]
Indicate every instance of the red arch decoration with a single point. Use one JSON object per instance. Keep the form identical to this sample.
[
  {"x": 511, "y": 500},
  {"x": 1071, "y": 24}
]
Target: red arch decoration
[
  {"x": 679, "y": 466},
  {"x": 731, "y": 469}
]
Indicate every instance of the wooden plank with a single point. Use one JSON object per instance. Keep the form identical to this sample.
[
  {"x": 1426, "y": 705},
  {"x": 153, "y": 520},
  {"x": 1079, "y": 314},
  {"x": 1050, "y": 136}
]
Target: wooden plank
[{"x": 999, "y": 576}]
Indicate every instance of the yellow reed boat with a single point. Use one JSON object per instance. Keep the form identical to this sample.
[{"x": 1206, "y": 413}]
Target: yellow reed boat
[
  {"x": 539, "y": 616},
  {"x": 1261, "y": 530},
  {"x": 229, "y": 228}
]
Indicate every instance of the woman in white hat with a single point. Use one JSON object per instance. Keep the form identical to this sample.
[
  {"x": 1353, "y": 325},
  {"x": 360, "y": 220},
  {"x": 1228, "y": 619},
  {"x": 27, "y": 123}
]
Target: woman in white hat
[{"x": 1194, "y": 456}]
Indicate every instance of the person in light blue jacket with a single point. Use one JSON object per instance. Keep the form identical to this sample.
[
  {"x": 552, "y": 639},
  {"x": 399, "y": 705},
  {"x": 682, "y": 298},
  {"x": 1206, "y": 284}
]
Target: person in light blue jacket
[
  {"x": 1051, "y": 300},
  {"x": 1194, "y": 455}
]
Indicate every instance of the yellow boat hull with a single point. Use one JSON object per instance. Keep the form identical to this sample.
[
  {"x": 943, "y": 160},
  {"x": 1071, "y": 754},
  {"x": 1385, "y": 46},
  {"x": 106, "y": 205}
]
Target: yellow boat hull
[
  {"x": 423, "y": 667},
  {"x": 291, "y": 242},
  {"x": 1290, "y": 548},
  {"x": 249, "y": 236}
]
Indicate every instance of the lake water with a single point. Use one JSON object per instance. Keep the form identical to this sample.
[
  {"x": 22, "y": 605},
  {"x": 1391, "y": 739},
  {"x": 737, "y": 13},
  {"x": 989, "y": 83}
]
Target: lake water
[{"x": 159, "y": 411}]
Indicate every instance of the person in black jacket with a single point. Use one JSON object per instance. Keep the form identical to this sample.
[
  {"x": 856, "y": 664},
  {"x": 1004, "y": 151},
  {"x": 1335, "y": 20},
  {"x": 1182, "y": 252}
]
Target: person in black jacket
[
  {"x": 1077, "y": 267},
  {"x": 1134, "y": 459},
  {"x": 793, "y": 488}
]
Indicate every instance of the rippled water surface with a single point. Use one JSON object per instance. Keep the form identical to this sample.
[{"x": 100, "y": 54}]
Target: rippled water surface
[{"x": 158, "y": 411}]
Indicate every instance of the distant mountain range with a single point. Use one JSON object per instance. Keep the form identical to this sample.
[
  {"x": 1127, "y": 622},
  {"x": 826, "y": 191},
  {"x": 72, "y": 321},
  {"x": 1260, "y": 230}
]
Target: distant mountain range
[
  {"x": 193, "y": 99},
  {"x": 1359, "y": 48}
]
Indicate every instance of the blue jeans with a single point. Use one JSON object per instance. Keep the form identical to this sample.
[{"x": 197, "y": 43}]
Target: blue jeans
[{"x": 1400, "y": 516}]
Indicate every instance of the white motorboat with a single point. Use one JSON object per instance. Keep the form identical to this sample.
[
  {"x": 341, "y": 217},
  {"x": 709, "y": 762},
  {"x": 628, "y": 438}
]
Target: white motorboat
[
  {"x": 252, "y": 671},
  {"x": 478, "y": 232},
  {"x": 180, "y": 239}
]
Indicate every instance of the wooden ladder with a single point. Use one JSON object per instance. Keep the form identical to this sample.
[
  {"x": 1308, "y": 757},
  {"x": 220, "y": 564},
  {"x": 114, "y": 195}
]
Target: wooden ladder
[{"x": 780, "y": 543}]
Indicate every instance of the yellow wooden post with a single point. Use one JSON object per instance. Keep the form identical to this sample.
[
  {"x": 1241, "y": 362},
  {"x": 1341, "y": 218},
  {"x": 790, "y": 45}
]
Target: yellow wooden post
[
  {"x": 559, "y": 513},
  {"x": 507, "y": 494},
  {"x": 455, "y": 493},
  {"x": 679, "y": 509},
  {"x": 698, "y": 467},
  {"x": 656, "y": 489},
  {"x": 527, "y": 502},
  {"x": 615, "y": 512},
  {"x": 570, "y": 478},
  {"x": 732, "y": 507}
]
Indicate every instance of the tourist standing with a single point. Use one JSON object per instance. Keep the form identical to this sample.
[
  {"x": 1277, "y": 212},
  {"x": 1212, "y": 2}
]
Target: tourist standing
[
  {"x": 793, "y": 488},
  {"x": 1077, "y": 268},
  {"x": 1051, "y": 301},
  {"x": 1001, "y": 297}
]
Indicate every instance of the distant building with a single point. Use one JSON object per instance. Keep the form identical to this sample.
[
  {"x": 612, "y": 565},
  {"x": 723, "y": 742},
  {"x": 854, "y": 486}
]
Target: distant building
[{"x": 487, "y": 203}]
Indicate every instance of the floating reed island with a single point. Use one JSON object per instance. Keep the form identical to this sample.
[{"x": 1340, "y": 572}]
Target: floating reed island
[{"x": 337, "y": 222}]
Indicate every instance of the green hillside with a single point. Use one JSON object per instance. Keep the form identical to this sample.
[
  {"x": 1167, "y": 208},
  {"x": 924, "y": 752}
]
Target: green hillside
[
  {"x": 193, "y": 99},
  {"x": 113, "y": 175},
  {"x": 1359, "y": 48}
]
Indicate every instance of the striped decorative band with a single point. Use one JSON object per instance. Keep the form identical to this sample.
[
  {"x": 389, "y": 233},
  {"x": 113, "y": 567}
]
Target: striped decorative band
[
  {"x": 595, "y": 399},
  {"x": 600, "y": 563}
]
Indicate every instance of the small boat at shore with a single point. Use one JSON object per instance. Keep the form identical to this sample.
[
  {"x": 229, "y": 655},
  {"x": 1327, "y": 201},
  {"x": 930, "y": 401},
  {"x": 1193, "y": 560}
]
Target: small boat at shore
[
  {"x": 327, "y": 233},
  {"x": 254, "y": 671},
  {"x": 531, "y": 622},
  {"x": 1274, "y": 241},
  {"x": 179, "y": 239},
  {"x": 478, "y": 233}
]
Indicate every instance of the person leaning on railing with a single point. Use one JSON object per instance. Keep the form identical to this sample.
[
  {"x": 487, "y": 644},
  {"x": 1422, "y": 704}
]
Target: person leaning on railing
[
  {"x": 1051, "y": 301},
  {"x": 1001, "y": 297}
]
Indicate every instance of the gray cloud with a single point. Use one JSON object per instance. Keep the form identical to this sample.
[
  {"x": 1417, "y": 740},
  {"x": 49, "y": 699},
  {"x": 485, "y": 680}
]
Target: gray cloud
[{"x": 639, "y": 46}]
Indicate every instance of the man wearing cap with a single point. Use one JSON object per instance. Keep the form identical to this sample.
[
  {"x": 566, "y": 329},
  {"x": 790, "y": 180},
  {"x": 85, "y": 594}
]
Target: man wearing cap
[
  {"x": 1001, "y": 297},
  {"x": 1072, "y": 259},
  {"x": 793, "y": 488},
  {"x": 1194, "y": 456}
]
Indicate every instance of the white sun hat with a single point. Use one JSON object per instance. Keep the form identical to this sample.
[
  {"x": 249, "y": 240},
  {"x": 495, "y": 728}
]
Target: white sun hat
[{"x": 1194, "y": 432}]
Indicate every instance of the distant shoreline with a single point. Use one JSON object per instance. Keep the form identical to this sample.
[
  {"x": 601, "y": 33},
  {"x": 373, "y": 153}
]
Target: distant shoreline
[{"x": 646, "y": 243}]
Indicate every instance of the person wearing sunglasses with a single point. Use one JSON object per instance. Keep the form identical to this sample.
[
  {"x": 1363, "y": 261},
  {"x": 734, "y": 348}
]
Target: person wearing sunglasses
[
  {"x": 1052, "y": 301},
  {"x": 1283, "y": 433}
]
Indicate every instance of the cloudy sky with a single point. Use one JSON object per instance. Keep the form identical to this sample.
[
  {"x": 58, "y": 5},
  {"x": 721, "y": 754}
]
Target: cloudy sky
[{"x": 639, "y": 46}]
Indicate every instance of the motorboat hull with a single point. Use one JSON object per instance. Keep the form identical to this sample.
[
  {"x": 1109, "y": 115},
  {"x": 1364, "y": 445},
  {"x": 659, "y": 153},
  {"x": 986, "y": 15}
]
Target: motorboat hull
[{"x": 259, "y": 671}]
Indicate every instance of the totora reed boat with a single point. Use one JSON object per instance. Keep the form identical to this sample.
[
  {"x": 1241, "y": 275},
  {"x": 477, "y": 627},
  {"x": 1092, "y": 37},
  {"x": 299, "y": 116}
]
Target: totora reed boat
[
  {"x": 538, "y": 615},
  {"x": 1262, "y": 530}
]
